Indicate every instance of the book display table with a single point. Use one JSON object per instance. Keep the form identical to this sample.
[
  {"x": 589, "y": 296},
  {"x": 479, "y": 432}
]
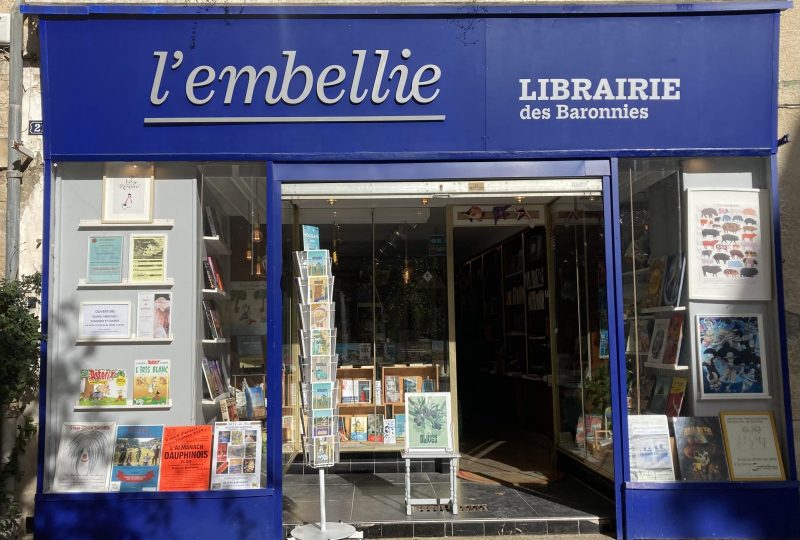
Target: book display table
[{"x": 432, "y": 454}]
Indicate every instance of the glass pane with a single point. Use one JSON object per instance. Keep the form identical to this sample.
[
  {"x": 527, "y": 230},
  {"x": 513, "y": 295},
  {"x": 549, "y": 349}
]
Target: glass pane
[{"x": 584, "y": 393}]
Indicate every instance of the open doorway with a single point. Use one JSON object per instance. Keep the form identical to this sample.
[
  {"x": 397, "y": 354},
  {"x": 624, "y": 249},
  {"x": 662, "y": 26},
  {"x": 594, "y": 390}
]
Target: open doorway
[
  {"x": 532, "y": 343},
  {"x": 496, "y": 298}
]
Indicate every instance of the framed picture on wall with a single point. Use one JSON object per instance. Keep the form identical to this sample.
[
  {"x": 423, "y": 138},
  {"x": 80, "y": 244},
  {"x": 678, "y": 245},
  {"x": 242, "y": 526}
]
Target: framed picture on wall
[
  {"x": 728, "y": 244},
  {"x": 751, "y": 444},
  {"x": 128, "y": 198},
  {"x": 730, "y": 355}
]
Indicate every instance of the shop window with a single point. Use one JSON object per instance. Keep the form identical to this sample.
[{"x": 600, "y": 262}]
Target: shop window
[
  {"x": 702, "y": 362},
  {"x": 584, "y": 421},
  {"x": 157, "y": 341}
]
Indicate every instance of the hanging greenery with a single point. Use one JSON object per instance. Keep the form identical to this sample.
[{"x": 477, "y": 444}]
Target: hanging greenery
[{"x": 20, "y": 337}]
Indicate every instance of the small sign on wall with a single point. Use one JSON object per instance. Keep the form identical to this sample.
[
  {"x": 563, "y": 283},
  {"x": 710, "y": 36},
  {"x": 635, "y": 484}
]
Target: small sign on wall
[{"x": 35, "y": 127}]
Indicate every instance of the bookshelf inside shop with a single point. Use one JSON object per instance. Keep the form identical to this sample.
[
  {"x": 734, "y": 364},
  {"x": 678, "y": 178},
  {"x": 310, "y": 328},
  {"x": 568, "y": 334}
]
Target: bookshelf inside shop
[{"x": 509, "y": 283}]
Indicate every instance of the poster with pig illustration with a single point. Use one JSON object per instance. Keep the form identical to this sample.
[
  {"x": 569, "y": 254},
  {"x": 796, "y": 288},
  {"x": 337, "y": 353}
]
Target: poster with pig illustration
[{"x": 729, "y": 246}]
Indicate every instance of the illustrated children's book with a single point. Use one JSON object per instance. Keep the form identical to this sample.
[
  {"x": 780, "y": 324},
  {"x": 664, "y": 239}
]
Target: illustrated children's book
[
  {"x": 84, "y": 456},
  {"x": 375, "y": 427},
  {"x": 393, "y": 389},
  {"x": 137, "y": 458},
  {"x": 103, "y": 388},
  {"x": 400, "y": 425},
  {"x": 658, "y": 339},
  {"x": 675, "y": 397},
  {"x": 151, "y": 382},
  {"x": 658, "y": 400},
  {"x": 358, "y": 428},
  {"x": 348, "y": 391},
  {"x": 672, "y": 346},
  {"x": 701, "y": 452}
]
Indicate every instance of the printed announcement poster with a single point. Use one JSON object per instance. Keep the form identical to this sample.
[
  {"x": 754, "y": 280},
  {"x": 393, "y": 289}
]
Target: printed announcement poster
[
  {"x": 84, "y": 456},
  {"x": 237, "y": 455},
  {"x": 137, "y": 458},
  {"x": 186, "y": 458}
]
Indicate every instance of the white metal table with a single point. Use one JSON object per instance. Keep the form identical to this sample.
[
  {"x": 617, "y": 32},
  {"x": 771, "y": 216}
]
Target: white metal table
[{"x": 432, "y": 454}]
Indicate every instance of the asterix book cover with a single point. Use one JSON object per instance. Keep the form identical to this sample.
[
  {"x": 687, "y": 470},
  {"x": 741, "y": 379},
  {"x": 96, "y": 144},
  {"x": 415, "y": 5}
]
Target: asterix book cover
[
  {"x": 137, "y": 458},
  {"x": 84, "y": 456},
  {"x": 103, "y": 388},
  {"x": 151, "y": 382}
]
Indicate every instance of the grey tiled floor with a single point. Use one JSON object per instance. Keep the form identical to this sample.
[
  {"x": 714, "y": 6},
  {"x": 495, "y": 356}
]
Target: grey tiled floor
[{"x": 564, "y": 507}]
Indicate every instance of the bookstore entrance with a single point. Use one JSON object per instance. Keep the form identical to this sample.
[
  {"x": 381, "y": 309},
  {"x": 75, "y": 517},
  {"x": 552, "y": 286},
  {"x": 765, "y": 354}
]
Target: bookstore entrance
[{"x": 493, "y": 291}]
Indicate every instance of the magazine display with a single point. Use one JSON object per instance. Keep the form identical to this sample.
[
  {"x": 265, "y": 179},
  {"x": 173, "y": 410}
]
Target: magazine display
[
  {"x": 186, "y": 458},
  {"x": 137, "y": 458},
  {"x": 84, "y": 456},
  {"x": 649, "y": 448},
  {"x": 321, "y": 393},
  {"x": 237, "y": 455}
]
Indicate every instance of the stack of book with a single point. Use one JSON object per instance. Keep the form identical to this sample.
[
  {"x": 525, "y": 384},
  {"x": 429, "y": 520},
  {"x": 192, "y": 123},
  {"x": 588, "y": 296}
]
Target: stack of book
[{"x": 319, "y": 390}]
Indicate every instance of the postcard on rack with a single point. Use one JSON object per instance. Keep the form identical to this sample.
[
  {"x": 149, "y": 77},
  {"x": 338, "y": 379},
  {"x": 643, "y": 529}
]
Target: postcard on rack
[
  {"x": 323, "y": 455},
  {"x": 319, "y": 289},
  {"x": 321, "y": 341},
  {"x": 104, "y": 261},
  {"x": 310, "y": 237},
  {"x": 317, "y": 262},
  {"x": 321, "y": 369},
  {"x": 154, "y": 315},
  {"x": 186, "y": 458},
  {"x": 103, "y": 388},
  {"x": 322, "y": 423},
  {"x": 237, "y": 455},
  {"x": 322, "y": 395},
  {"x": 320, "y": 315},
  {"x": 151, "y": 382},
  {"x": 148, "y": 258},
  {"x": 84, "y": 456},
  {"x": 137, "y": 458}
]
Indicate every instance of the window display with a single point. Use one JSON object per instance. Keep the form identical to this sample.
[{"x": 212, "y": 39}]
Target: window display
[
  {"x": 697, "y": 382},
  {"x": 137, "y": 314}
]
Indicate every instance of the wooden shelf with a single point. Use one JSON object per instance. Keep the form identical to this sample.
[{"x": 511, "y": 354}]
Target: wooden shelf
[
  {"x": 166, "y": 284},
  {"x": 97, "y": 224}
]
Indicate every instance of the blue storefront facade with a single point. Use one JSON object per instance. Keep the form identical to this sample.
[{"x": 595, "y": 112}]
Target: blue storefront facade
[{"x": 336, "y": 94}]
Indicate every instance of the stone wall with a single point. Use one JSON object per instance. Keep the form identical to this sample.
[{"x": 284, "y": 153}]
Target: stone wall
[{"x": 789, "y": 179}]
